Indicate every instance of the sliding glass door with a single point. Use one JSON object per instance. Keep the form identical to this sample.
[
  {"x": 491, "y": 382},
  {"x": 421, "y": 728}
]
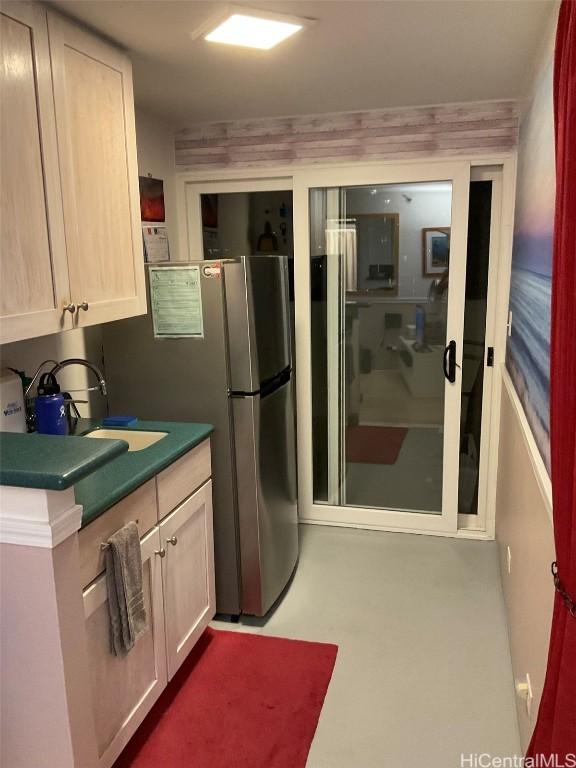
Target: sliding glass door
[{"x": 386, "y": 270}]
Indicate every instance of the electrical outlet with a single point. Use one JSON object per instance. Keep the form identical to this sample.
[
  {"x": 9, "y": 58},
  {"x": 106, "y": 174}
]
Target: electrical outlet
[
  {"x": 525, "y": 691},
  {"x": 509, "y": 559}
]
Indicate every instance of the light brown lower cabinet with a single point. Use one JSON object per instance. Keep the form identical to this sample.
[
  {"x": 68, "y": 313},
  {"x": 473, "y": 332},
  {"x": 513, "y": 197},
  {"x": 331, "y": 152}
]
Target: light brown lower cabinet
[
  {"x": 124, "y": 688},
  {"x": 178, "y": 570},
  {"x": 188, "y": 575}
]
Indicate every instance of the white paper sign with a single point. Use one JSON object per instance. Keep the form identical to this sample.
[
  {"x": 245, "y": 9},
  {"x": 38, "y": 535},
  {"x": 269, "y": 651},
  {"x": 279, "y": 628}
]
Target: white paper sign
[
  {"x": 176, "y": 301},
  {"x": 156, "y": 246}
]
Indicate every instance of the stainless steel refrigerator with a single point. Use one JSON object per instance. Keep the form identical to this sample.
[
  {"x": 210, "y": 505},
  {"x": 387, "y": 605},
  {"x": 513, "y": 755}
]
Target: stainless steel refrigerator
[{"x": 237, "y": 375}]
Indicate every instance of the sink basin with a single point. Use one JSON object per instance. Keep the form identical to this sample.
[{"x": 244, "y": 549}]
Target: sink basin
[{"x": 137, "y": 439}]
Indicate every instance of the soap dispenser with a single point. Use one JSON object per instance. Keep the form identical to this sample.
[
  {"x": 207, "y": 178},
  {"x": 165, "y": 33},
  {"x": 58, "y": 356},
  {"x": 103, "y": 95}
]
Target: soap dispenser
[{"x": 51, "y": 416}]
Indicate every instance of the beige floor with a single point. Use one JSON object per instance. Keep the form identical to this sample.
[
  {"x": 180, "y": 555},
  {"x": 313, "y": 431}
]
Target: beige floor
[
  {"x": 423, "y": 670},
  {"x": 387, "y": 400}
]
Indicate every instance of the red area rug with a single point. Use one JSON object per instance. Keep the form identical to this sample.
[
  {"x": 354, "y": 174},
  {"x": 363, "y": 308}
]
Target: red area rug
[
  {"x": 374, "y": 445},
  {"x": 239, "y": 701}
]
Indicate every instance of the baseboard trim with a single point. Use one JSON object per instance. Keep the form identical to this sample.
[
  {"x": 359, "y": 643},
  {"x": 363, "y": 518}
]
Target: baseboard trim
[{"x": 461, "y": 533}]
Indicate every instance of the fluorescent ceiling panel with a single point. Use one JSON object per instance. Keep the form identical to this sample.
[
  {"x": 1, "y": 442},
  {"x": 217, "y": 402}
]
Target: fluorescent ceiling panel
[{"x": 252, "y": 31}]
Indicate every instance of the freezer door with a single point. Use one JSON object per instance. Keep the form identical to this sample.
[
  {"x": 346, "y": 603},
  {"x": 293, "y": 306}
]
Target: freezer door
[
  {"x": 258, "y": 320},
  {"x": 267, "y": 510},
  {"x": 269, "y": 280}
]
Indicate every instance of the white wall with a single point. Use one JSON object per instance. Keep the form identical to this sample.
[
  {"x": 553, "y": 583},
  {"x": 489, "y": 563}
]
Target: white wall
[
  {"x": 523, "y": 510},
  {"x": 155, "y": 144},
  {"x": 524, "y": 527}
]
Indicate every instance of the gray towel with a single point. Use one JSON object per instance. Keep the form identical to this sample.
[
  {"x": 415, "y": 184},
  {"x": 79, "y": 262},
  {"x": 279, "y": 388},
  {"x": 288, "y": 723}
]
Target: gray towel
[{"x": 128, "y": 620}]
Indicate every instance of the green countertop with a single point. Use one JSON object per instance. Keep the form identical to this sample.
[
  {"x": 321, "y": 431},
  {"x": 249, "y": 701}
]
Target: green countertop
[
  {"x": 52, "y": 462},
  {"x": 107, "y": 485}
]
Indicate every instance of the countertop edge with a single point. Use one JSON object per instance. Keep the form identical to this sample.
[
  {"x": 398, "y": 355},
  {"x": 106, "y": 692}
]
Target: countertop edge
[
  {"x": 51, "y": 481},
  {"x": 145, "y": 475}
]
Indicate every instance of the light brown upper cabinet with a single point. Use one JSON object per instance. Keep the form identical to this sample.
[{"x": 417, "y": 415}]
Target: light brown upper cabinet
[
  {"x": 34, "y": 285},
  {"x": 99, "y": 173},
  {"x": 71, "y": 238}
]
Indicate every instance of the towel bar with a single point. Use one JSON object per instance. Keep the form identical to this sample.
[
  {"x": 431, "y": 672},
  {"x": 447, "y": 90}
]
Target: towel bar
[{"x": 104, "y": 544}]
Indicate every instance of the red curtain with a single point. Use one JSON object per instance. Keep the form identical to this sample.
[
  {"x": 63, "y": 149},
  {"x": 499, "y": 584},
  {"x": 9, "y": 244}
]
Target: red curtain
[{"x": 555, "y": 731}]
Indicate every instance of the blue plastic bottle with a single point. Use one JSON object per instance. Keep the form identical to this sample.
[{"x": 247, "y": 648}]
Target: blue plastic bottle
[{"x": 51, "y": 416}]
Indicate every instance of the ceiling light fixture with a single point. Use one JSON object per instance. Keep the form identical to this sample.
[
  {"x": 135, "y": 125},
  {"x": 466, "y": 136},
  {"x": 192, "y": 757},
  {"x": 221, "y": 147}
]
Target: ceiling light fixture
[{"x": 254, "y": 29}]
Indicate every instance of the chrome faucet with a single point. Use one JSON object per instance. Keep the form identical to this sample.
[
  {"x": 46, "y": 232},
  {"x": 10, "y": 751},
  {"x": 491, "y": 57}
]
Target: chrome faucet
[
  {"x": 36, "y": 376},
  {"x": 29, "y": 398},
  {"x": 87, "y": 364}
]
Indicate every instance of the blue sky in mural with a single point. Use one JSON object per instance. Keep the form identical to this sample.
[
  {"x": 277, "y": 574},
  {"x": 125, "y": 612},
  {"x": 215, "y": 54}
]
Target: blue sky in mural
[{"x": 528, "y": 351}]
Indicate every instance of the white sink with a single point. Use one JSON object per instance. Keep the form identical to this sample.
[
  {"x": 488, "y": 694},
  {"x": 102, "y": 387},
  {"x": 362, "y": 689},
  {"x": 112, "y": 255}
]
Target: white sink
[{"x": 137, "y": 440}]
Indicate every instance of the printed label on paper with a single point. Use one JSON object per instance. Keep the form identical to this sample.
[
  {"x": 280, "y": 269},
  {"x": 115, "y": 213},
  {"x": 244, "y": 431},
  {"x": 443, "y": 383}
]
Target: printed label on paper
[{"x": 176, "y": 301}]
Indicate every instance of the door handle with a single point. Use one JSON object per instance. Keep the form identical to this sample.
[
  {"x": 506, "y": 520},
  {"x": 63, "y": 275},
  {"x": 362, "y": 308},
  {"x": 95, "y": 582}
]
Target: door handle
[{"x": 449, "y": 361}]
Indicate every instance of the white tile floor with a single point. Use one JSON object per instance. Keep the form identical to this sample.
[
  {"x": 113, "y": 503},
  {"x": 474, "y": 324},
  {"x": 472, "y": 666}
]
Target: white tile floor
[{"x": 423, "y": 671}]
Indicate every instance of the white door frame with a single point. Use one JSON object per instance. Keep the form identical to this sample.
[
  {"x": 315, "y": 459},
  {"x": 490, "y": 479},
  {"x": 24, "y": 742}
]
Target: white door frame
[
  {"x": 293, "y": 177},
  {"x": 334, "y": 354},
  {"x": 494, "y": 174},
  {"x": 500, "y": 266}
]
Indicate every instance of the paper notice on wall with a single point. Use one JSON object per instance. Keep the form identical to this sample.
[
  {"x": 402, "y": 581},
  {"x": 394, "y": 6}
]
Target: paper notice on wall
[
  {"x": 176, "y": 302},
  {"x": 155, "y": 244}
]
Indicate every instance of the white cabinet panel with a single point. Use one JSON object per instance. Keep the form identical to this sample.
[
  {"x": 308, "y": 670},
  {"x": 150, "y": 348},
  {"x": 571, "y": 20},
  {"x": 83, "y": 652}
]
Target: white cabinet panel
[
  {"x": 124, "y": 688},
  {"x": 33, "y": 268},
  {"x": 188, "y": 574},
  {"x": 94, "y": 107},
  {"x": 70, "y": 231}
]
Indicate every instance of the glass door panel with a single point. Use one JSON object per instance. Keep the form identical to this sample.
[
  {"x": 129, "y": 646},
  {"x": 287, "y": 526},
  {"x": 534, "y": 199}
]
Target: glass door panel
[{"x": 379, "y": 288}]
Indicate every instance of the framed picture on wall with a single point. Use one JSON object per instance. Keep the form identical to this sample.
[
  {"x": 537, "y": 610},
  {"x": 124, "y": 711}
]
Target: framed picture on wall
[
  {"x": 435, "y": 250},
  {"x": 151, "y": 199}
]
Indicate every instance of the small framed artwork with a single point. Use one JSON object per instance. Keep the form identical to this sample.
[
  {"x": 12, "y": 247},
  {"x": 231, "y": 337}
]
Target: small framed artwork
[
  {"x": 435, "y": 250},
  {"x": 152, "y": 199}
]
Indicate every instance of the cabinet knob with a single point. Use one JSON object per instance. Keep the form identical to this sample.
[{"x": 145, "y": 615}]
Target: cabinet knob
[
  {"x": 84, "y": 305},
  {"x": 172, "y": 540},
  {"x": 70, "y": 308},
  {"x": 161, "y": 552}
]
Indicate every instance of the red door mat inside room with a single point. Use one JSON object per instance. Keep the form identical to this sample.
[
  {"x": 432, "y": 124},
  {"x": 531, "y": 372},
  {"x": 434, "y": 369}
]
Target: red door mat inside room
[
  {"x": 374, "y": 445},
  {"x": 239, "y": 701}
]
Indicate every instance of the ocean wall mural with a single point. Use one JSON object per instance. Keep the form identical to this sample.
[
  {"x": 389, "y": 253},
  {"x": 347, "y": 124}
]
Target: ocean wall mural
[{"x": 528, "y": 350}]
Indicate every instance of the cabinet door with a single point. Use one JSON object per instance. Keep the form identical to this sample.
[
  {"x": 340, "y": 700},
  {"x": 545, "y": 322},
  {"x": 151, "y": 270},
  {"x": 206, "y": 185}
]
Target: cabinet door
[
  {"x": 188, "y": 574},
  {"x": 33, "y": 270},
  {"x": 125, "y": 688},
  {"x": 99, "y": 174}
]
